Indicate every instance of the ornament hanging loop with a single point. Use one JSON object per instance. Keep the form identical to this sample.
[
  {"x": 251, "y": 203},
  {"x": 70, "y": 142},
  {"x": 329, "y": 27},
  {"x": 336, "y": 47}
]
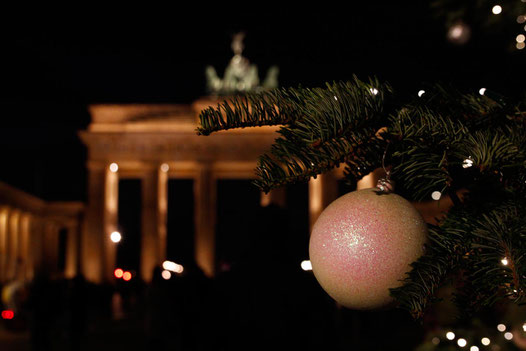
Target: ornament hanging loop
[{"x": 385, "y": 185}]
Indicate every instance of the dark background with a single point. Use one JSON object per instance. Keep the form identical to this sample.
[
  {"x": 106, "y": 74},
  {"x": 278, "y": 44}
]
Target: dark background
[{"x": 53, "y": 64}]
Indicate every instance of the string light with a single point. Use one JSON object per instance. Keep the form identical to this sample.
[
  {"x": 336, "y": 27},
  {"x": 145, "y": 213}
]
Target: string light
[
  {"x": 421, "y": 92},
  {"x": 335, "y": 98},
  {"x": 114, "y": 167},
  {"x": 482, "y": 91},
  {"x": 508, "y": 336},
  {"x": 373, "y": 91},
  {"x": 462, "y": 342},
  {"x": 520, "y": 38},
  {"x": 459, "y": 33},
  {"x": 524, "y": 327},
  {"x": 165, "y": 167},
  {"x": 520, "y": 46},
  {"x": 497, "y": 9},
  {"x": 468, "y": 162},
  {"x": 521, "y": 19},
  {"x": 435, "y": 340},
  {"x": 306, "y": 265},
  {"x": 474, "y": 348},
  {"x": 485, "y": 341},
  {"x": 504, "y": 261},
  {"x": 450, "y": 335},
  {"x": 436, "y": 195},
  {"x": 501, "y": 327}
]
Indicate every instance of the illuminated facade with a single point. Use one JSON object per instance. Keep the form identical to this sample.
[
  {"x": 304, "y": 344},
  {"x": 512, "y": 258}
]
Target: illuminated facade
[
  {"x": 154, "y": 143},
  {"x": 37, "y": 235}
]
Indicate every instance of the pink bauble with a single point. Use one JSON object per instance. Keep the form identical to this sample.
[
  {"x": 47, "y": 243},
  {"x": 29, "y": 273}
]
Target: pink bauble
[{"x": 362, "y": 245}]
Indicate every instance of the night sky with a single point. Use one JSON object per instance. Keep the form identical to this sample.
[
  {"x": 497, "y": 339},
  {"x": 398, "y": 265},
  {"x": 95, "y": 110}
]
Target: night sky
[{"x": 53, "y": 66}]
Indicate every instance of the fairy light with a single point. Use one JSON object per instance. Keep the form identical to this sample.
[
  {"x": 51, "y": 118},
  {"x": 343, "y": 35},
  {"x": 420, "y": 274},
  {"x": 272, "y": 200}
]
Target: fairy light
[
  {"x": 521, "y": 19},
  {"x": 468, "y": 162},
  {"x": 520, "y": 46},
  {"x": 335, "y": 98},
  {"x": 474, "y": 348},
  {"x": 306, "y": 265},
  {"x": 504, "y": 261},
  {"x": 459, "y": 33},
  {"x": 114, "y": 167},
  {"x": 501, "y": 327},
  {"x": 435, "y": 340},
  {"x": 450, "y": 335},
  {"x": 485, "y": 341},
  {"x": 497, "y": 9},
  {"x": 520, "y": 38},
  {"x": 421, "y": 92},
  {"x": 165, "y": 167},
  {"x": 462, "y": 342},
  {"x": 508, "y": 336},
  {"x": 373, "y": 91},
  {"x": 524, "y": 327},
  {"x": 482, "y": 91},
  {"x": 436, "y": 195}
]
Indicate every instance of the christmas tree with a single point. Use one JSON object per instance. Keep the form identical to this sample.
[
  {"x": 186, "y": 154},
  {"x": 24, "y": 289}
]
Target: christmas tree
[{"x": 439, "y": 144}]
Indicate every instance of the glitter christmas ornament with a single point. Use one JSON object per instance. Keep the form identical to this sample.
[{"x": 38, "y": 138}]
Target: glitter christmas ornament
[{"x": 362, "y": 245}]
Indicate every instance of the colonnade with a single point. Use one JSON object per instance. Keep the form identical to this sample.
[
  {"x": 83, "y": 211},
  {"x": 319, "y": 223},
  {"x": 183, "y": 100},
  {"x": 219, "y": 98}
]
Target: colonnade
[
  {"x": 99, "y": 252},
  {"x": 30, "y": 234}
]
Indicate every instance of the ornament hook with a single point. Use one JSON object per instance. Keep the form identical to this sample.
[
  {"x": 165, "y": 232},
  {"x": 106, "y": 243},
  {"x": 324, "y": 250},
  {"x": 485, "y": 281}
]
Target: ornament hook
[{"x": 385, "y": 185}]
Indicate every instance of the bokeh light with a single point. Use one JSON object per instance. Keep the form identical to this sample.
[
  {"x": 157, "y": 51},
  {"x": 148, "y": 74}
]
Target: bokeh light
[
  {"x": 114, "y": 167},
  {"x": 306, "y": 265},
  {"x": 115, "y": 237},
  {"x": 127, "y": 276},
  {"x": 118, "y": 273}
]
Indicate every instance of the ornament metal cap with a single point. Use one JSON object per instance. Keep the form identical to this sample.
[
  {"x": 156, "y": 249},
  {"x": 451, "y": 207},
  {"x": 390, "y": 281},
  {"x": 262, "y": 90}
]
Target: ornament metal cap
[{"x": 385, "y": 185}]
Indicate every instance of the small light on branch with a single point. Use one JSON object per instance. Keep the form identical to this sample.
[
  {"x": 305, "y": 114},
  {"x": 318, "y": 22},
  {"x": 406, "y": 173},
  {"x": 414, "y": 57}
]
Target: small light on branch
[
  {"x": 497, "y": 9},
  {"x": 482, "y": 91},
  {"x": 459, "y": 33},
  {"x": 468, "y": 162},
  {"x": 450, "y": 335},
  {"x": 504, "y": 261}
]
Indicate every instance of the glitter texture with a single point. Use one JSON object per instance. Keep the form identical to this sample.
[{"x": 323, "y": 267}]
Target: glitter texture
[{"x": 362, "y": 245}]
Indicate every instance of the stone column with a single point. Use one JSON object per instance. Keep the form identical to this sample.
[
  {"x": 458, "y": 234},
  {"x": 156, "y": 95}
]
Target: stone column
[
  {"x": 4, "y": 215},
  {"x": 154, "y": 205},
  {"x": 12, "y": 244},
  {"x": 98, "y": 251},
  {"x": 23, "y": 248},
  {"x": 111, "y": 207},
  {"x": 322, "y": 191},
  {"x": 205, "y": 219}
]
